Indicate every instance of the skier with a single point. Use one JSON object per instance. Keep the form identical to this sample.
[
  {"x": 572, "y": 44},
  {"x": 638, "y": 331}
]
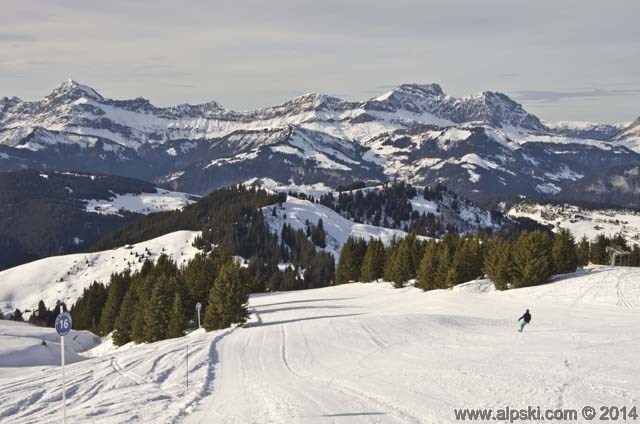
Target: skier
[{"x": 524, "y": 320}]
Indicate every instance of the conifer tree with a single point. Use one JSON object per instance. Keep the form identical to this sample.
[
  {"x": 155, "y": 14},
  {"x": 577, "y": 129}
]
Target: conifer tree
[
  {"x": 598, "y": 253},
  {"x": 17, "y": 315},
  {"x": 373, "y": 262},
  {"x": 118, "y": 287},
  {"x": 143, "y": 287},
  {"x": 532, "y": 259},
  {"x": 122, "y": 332},
  {"x": 582, "y": 251},
  {"x": 498, "y": 262},
  {"x": 564, "y": 255},
  {"x": 177, "y": 320},
  {"x": 469, "y": 259},
  {"x": 158, "y": 310},
  {"x": 453, "y": 277},
  {"x": 290, "y": 279},
  {"x": 427, "y": 272},
  {"x": 199, "y": 277},
  {"x": 447, "y": 250},
  {"x": 350, "y": 261},
  {"x": 318, "y": 236},
  {"x": 634, "y": 258},
  {"x": 227, "y": 300},
  {"x": 400, "y": 265}
]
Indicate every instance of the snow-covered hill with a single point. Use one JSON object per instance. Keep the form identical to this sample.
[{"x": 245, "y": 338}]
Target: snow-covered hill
[
  {"x": 482, "y": 144},
  {"x": 366, "y": 353},
  {"x": 583, "y": 222},
  {"x": 65, "y": 277},
  {"x": 296, "y": 213},
  {"x": 21, "y": 345}
]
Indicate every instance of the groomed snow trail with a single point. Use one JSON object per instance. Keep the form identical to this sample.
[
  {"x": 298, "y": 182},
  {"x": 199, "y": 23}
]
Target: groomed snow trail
[{"x": 366, "y": 353}]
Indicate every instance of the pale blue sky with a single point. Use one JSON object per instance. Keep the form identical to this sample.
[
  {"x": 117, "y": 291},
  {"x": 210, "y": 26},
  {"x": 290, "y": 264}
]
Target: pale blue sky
[{"x": 563, "y": 59}]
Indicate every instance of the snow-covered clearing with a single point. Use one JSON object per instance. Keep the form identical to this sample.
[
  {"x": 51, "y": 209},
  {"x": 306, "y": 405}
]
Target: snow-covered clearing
[
  {"x": 65, "y": 277},
  {"x": 583, "y": 222},
  {"x": 144, "y": 203},
  {"x": 366, "y": 353}
]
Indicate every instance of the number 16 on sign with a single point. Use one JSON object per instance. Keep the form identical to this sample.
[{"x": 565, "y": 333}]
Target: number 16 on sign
[{"x": 63, "y": 328}]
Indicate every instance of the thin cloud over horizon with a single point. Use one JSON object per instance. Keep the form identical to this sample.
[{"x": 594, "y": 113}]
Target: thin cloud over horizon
[{"x": 565, "y": 60}]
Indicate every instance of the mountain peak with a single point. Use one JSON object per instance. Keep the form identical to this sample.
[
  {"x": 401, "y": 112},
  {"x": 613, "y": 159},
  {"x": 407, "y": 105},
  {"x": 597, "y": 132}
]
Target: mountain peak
[
  {"x": 74, "y": 90},
  {"x": 496, "y": 109},
  {"x": 632, "y": 130},
  {"x": 412, "y": 90}
]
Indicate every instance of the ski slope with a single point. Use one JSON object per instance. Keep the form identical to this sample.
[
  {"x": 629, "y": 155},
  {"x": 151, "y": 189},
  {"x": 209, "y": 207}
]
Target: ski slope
[
  {"x": 365, "y": 353},
  {"x": 65, "y": 277}
]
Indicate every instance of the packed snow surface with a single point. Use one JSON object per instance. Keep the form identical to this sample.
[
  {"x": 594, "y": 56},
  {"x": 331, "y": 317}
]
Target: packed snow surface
[
  {"x": 25, "y": 345},
  {"x": 144, "y": 203},
  {"x": 65, "y": 277},
  {"x": 365, "y": 353}
]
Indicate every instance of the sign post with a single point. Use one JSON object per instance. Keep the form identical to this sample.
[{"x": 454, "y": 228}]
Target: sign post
[
  {"x": 198, "y": 308},
  {"x": 63, "y": 328}
]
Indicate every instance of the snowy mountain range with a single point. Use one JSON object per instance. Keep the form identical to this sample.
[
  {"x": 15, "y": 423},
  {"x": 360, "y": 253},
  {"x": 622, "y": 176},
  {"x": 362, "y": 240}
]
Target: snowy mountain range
[{"x": 479, "y": 145}]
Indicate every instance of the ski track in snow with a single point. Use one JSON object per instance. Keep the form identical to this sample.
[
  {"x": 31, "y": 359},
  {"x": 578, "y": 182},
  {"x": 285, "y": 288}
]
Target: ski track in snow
[{"x": 365, "y": 353}]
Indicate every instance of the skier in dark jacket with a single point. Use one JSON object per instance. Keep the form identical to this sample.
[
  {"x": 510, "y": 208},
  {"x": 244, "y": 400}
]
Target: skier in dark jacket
[{"x": 524, "y": 320}]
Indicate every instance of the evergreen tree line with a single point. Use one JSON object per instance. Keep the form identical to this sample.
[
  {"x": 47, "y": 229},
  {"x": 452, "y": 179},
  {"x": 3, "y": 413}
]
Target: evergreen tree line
[
  {"x": 45, "y": 317},
  {"x": 158, "y": 302},
  {"x": 526, "y": 260},
  {"x": 596, "y": 251}
]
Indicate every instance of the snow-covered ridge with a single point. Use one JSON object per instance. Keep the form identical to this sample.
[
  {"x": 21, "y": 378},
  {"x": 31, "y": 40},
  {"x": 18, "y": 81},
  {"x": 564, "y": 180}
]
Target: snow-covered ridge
[
  {"x": 415, "y": 132},
  {"x": 76, "y": 108},
  {"x": 65, "y": 277}
]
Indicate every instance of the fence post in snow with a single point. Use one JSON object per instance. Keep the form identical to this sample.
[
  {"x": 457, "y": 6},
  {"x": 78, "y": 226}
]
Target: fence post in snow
[{"x": 187, "y": 367}]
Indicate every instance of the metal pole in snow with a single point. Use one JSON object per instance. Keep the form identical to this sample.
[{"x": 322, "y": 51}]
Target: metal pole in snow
[
  {"x": 64, "y": 395},
  {"x": 187, "y": 367}
]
